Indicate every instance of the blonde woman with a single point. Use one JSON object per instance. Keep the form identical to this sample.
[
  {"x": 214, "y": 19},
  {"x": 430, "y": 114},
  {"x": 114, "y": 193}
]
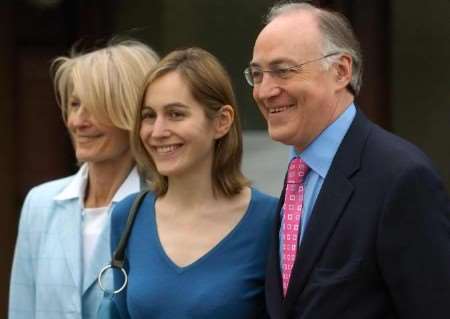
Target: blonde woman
[
  {"x": 63, "y": 238},
  {"x": 199, "y": 244}
]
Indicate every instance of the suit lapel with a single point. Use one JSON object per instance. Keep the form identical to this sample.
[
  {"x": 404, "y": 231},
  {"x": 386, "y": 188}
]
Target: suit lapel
[
  {"x": 70, "y": 236},
  {"x": 336, "y": 191},
  {"x": 274, "y": 292},
  {"x": 330, "y": 204}
]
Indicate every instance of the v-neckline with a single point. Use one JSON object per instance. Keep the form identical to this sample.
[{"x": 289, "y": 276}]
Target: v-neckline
[{"x": 205, "y": 256}]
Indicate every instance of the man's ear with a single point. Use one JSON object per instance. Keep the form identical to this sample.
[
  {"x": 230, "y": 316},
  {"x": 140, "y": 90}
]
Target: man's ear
[
  {"x": 343, "y": 70},
  {"x": 223, "y": 121}
]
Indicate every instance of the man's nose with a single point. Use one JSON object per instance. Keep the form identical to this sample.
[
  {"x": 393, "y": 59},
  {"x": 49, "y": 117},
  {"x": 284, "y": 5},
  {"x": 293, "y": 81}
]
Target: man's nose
[{"x": 267, "y": 88}]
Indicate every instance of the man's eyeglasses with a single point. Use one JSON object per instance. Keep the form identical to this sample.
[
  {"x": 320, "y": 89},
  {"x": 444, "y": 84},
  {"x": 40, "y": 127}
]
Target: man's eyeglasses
[{"x": 254, "y": 75}]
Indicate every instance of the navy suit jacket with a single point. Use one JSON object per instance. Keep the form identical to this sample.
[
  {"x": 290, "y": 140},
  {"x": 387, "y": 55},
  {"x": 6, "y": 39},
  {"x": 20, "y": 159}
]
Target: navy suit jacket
[{"x": 378, "y": 241}]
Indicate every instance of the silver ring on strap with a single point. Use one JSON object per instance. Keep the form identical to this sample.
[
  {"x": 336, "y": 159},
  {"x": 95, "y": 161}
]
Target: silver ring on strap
[{"x": 102, "y": 272}]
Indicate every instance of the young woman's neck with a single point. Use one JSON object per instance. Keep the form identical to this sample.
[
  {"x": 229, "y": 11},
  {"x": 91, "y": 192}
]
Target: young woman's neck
[
  {"x": 104, "y": 179},
  {"x": 191, "y": 190}
]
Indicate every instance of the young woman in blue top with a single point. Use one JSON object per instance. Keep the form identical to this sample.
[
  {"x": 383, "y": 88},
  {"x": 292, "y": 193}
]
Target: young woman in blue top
[{"x": 199, "y": 243}]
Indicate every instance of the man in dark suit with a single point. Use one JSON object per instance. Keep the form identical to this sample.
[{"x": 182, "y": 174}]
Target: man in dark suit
[{"x": 372, "y": 238}]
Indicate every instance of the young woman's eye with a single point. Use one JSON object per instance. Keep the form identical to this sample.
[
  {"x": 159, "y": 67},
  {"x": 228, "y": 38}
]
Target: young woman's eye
[
  {"x": 175, "y": 115},
  {"x": 147, "y": 115}
]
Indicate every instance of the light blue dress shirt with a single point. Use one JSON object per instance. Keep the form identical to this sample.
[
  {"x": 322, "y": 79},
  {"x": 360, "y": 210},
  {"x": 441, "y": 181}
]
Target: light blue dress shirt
[{"x": 318, "y": 156}]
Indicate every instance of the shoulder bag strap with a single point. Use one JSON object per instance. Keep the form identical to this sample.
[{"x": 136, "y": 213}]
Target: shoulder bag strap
[{"x": 119, "y": 253}]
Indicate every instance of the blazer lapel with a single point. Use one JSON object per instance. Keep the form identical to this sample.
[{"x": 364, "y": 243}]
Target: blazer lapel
[
  {"x": 100, "y": 258},
  {"x": 335, "y": 193},
  {"x": 70, "y": 236}
]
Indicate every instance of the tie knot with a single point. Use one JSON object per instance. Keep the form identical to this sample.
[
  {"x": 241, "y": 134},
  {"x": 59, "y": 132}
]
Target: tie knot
[{"x": 297, "y": 171}]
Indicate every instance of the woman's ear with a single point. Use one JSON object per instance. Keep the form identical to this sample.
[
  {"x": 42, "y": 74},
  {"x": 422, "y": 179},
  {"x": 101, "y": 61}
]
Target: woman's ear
[{"x": 223, "y": 121}]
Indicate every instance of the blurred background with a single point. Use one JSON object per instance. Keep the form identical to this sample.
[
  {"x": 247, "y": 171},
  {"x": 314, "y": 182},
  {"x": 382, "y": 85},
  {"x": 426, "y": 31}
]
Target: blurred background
[{"x": 406, "y": 88}]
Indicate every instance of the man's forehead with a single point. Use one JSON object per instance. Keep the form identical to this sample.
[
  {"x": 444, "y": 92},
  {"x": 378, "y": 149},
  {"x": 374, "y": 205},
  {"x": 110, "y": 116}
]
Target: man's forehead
[
  {"x": 273, "y": 61},
  {"x": 285, "y": 39}
]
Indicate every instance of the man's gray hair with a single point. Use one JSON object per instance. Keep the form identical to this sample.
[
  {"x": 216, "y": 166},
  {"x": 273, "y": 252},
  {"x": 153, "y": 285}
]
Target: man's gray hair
[{"x": 338, "y": 36}]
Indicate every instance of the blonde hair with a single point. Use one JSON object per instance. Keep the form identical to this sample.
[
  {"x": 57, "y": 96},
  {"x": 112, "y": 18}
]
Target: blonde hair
[
  {"x": 210, "y": 85},
  {"x": 107, "y": 81}
]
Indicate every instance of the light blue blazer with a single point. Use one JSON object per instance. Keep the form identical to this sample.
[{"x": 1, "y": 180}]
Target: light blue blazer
[{"x": 47, "y": 279}]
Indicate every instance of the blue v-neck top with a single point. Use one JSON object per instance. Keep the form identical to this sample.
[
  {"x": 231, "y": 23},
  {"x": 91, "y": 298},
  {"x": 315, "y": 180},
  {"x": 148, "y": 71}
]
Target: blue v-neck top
[{"x": 226, "y": 282}]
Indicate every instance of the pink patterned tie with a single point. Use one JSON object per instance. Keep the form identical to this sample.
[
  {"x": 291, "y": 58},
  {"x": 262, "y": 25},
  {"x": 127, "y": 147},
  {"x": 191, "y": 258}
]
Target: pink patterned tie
[{"x": 293, "y": 204}]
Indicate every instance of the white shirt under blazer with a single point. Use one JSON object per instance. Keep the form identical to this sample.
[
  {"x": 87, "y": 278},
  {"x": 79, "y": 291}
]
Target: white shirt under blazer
[{"x": 47, "y": 278}]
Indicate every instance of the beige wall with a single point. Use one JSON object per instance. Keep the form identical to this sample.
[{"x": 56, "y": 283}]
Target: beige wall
[{"x": 421, "y": 77}]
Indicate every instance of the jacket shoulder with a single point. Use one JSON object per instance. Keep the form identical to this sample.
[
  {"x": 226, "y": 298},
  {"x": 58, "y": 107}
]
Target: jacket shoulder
[
  {"x": 50, "y": 189},
  {"x": 394, "y": 151}
]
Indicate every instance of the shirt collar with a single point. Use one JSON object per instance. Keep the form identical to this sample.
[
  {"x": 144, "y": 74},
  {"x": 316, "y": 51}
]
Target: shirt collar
[
  {"x": 76, "y": 188},
  {"x": 132, "y": 184},
  {"x": 320, "y": 153}
]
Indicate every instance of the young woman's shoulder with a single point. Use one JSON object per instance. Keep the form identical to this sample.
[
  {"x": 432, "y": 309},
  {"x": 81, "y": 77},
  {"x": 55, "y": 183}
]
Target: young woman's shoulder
[
  {"x": 262, "y": 198},
  {"x": 121, "y": 210},
  {"x": 264, "y": 204}
]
